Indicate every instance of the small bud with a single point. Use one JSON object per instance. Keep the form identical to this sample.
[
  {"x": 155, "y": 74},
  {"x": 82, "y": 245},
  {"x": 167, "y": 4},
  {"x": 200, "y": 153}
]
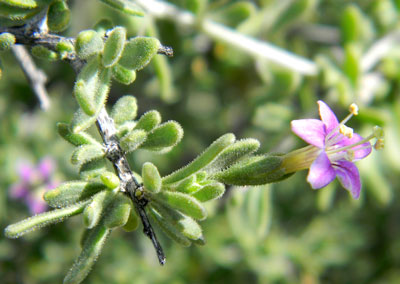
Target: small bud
[
  {"x": 138, "y": 52},
  {"x": 87, "y": 43},
  {"x": 64, "y": 47},
  {"x": 114, "y": 46},
  {"x": 44, "y": 53},
  {"x": 6, "y": 41},
  {"x": 110, "y": 180},
  {"x": 151, "y": 177}
]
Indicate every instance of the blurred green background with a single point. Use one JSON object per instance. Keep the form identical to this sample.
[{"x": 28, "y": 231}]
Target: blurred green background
[{"x": 280, "y": 233}]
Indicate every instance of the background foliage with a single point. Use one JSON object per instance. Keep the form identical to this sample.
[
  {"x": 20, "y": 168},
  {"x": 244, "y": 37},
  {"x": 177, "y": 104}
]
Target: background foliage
[{"x": 281, "y": 233}]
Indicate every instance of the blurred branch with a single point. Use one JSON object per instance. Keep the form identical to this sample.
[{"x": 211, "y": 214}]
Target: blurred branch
[
  {"x": 258, "y": 49},
  {"x": 36, "y": 77},
  {"x": 378, "y": 50}
]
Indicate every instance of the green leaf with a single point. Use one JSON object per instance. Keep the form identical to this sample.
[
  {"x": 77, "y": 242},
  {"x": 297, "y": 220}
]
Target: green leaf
[
  {"x": 123, "y": 75},
  {"x": 103, "y": 26},
  {"x": 88, "y": 43},
  {"x": 169, "y": 230},
  {"x": 41, "y": 220},
  {"x": 118, "y": 211},
  {"x": 125, "y": 7},
  {"x": 182, "y": 223},
  {"x": 132, "y": 140},
  {"x": 86, "y": 153},
  {"x": 149, "y": 121},
  {"x": 164, "y": 137},
  {"x": 21, "y": 3},
  {"x": 138, "y": 52},
  {"x": 72, "y": 192},
  {"x": 44, "y": 53},
  {"x": 91, "y": 250},
  {"x": 81, "y": 121},
  {"x": 6, "y": 41},
  {"x": 110, "y": 179},
  {"x": 351, "y": 64},
  {"x": 182, "y": 202},
  {"x": 202, "y": 160},
  {"x": 124, "y": 109},
  {"x": 209, "y": 192},
  {"x": 95, "y": 210},
  {"x": 114, "y": 46},
  {"x": 232, "y": 154},
  {"x": 76, "y": 139},
  {"x": 133, "y": 221},
  {"x": 58, "y": 16},
  {"x": 92, "y": 169},
  {"x": 255, "y": 170},
  {"x": 64, "y": 47},
  {"x": 151, "y": 177}
]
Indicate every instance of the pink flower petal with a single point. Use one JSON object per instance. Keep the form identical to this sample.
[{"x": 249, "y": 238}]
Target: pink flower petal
[
  {"x": 360, "y": 151},
  {"x": 349, "y": 177},
  {"x": 327, "y": 116},
  {"x": 310, "y": 130},
  {"x": 46, "y": 167},
  {"x": 321, "y": 172}
]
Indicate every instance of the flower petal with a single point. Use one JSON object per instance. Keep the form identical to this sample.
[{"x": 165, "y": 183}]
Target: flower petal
[
  {"x": 46, "y": 167},
  {"x": 328, "y": 117},
  {"x": 321, "y": 172},
  {"x": 310, "y": 130},
  {"x": 349, "y": 177},
  {"x": 360, "y": 151}
]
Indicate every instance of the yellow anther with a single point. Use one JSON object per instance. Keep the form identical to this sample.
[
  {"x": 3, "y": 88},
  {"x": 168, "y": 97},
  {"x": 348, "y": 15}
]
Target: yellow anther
[
  {"x": 353, "y": 109},
  {"x": 379, "y": 144},
  {"x": 346, "y": 131}
]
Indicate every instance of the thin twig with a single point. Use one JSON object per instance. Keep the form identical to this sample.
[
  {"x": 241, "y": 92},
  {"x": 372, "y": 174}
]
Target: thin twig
[
  {"x": 258, "y": 49},
  {"x": 36, "y": 77}
]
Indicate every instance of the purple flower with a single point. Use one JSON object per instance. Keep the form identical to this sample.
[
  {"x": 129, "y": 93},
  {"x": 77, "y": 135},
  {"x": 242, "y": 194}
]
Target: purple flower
[
  {"x": 333, "y": 149},
  {"x": 34, "y": 181}
]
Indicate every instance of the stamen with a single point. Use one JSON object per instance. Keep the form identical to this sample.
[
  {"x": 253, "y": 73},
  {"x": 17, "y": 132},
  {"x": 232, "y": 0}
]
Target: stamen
[
  {"x": 346, "y": 131},
  {"x": 353, "y": 109},
  {"x": 379, "y": 144},
  {"x": 378, "y": 132}
]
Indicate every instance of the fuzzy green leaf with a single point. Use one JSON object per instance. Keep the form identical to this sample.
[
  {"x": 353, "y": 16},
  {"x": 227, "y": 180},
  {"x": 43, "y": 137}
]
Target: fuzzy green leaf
[
  {"x": 182, "y": 223},
  {"x": 163, "y": 137},
  {"x": 182, "y": 202},
  {"x": 133, "y": 221},
  {"x": 88, "y": 43},
  {"x": 76, "y": 139},
  {"x": 133, "y": 140},
  {"x": 110, "y": 180},
  {"x": 103, "y": 26},
  {"x": 92, "y": 169},
  {"x": 72, "y": 192},
  {"x": 138, "y": 52},
  {"x": 58, "y": 16},
  {"x": 86, "y": 153},
  {"x": 95, "y": 210},
  {"x": 169, "y": 230},
  {"x": 114, "y": 46},
  {"x": 255, "y": 170},
  {"x": 151, "y": 177},
  {"x": 209, "y": 192},
  {"x": 118, "y": 212},
  {"x": 124, "y": 109},
  {"x": 29, "y": 4},
  {"x": 6, "y": 41},
  {"x": 149, "y": 120},
  {"x": 201, "y": 161},
  {"x": 232, "y": 154},
  {"x": 125, "y": 7},
  {"x": 41, "y": 220},
  {"x": 93, "y": 244},
  {"x": 81, "y": 121}
]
